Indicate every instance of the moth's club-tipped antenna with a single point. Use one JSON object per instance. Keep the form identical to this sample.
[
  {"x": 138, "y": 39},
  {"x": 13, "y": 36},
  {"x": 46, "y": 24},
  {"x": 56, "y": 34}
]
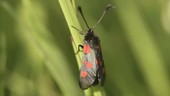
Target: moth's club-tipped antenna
[{"x": 104, "y": 13}]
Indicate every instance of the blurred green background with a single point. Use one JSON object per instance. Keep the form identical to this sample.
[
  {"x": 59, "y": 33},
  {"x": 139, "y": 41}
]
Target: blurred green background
[{"x": 37, "y": 56}]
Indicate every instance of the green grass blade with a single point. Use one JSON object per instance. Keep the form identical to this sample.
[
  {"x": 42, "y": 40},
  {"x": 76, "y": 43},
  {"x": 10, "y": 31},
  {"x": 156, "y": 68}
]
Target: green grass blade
[{"x": 72, "y": 20}]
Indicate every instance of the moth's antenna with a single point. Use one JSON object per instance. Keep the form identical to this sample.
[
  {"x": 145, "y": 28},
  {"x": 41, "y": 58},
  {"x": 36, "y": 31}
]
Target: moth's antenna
[
  {"x": 105, "y": 11},
  {"x": 79, "y": 9}
]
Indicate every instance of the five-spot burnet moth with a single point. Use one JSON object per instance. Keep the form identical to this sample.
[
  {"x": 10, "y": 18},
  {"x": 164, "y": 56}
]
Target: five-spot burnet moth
[{"x": 92, "y": 71}]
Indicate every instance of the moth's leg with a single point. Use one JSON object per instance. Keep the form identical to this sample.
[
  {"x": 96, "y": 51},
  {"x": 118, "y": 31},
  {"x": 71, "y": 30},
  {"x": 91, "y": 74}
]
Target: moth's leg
[
  {"x": 81, "y": 32},
  {"x": 79, "y": 46}
]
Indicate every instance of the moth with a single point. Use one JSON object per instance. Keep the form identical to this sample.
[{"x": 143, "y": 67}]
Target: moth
[{"x": 92, "y": 71}]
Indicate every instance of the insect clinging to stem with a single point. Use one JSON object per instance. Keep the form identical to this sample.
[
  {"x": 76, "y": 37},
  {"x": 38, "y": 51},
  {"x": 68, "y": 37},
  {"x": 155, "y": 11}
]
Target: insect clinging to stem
[{"x": 92, "y": 71}]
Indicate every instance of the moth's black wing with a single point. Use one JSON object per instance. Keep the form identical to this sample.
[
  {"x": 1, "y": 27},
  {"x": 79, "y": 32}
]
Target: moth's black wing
[{"x": 101, "y": 68}]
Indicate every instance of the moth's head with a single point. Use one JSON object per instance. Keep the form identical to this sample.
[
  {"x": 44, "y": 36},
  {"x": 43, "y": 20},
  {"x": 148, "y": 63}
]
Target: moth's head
[{"x": 89, "y": 35}]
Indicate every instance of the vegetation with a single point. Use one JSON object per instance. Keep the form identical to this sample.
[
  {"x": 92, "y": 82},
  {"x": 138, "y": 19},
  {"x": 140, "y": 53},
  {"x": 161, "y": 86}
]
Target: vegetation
[{"x": 38, "y": 46}]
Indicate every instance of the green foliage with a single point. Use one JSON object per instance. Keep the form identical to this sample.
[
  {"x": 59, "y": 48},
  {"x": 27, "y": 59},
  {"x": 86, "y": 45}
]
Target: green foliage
[{"x": 38, "y": 45}]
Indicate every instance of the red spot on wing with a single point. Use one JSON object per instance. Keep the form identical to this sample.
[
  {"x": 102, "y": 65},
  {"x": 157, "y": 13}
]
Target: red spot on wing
[
  {"x": 99, "y": 48},
  {"x": 89, "y": 65},
  {"x": 85, "y": 62},
  {"x": 101, "y": 62},
  {"x": 86, "y": 49},
  {"x": 83, "y": 74}
]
